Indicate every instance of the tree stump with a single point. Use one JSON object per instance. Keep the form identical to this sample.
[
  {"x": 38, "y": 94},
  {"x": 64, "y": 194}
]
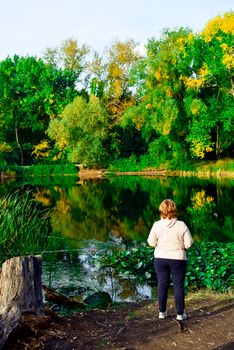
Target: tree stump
[{"x": 20, "y": 292}]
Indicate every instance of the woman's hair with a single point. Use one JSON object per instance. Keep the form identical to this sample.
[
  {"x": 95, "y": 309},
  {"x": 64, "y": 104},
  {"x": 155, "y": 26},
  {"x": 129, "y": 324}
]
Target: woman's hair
[{"x": 168, "y": 209}]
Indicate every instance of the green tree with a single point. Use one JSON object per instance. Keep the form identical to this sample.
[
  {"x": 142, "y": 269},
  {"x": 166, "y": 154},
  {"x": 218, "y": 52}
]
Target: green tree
[
  {"x": 210, "y": 103},
  {"x": 159, "y": 113},
  {"x": 184, "y": 106},
  {"x": 81, "y": 134},
  {"x": 31, "y": 93}
]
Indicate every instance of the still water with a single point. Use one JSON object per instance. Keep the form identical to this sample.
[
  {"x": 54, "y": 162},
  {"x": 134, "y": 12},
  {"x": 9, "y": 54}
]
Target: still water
[{"x": 92, "y": 217}]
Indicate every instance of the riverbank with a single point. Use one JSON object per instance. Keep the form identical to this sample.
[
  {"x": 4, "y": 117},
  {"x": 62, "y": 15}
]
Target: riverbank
[
  {"x": 149, "y": 173},
  {"x": 219, "y": 168},
  {"x": 133, "y": 326},
  {"x": 92, "y": 173},
  {"x": 207, "y": 169}
]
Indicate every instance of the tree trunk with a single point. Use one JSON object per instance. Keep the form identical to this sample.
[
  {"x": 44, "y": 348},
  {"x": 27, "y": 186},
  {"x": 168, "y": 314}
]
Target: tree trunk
[
  {"x": 20, "y": 291},
  {"x": 217, "y": 144},
  {"x": 20, "y": 148}
]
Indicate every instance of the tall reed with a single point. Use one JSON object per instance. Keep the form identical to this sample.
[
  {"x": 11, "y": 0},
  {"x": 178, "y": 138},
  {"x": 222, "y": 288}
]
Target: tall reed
[{"x": 24, "y": 226}]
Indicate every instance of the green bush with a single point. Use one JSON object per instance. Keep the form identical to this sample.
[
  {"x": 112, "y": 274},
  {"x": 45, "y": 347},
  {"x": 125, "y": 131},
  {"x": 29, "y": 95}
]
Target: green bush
[
  {"x": 209, "y": 265},
  {"x": 135, "y": 261}
]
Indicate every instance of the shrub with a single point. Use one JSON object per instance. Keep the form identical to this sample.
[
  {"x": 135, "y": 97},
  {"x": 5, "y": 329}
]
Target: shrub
[{"x": 209, "y": 265}]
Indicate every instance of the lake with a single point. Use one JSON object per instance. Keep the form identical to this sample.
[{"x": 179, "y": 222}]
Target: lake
[{"x": 92, "y": 217}]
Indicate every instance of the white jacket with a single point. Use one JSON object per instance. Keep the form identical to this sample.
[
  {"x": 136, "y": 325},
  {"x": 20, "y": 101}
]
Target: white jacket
[{"x": 170, "y": 239}]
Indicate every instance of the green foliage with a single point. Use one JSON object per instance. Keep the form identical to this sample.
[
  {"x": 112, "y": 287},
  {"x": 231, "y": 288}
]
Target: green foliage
[
  {"x": 31, "y": 92},
  {"x": 135, "y": 261},
  {"x": 24, "y": 226},
  {"x": 42, "y": 175},
  {"x": 149, "y": 162},
  {"x": 82, "y": 131},
  {"x": 186, "y": 108},
  {"x": 210, "y": 265},
  {"x": 41, "y": 170},
  {"x": 125, "y": 164},
  {"x": 209, "y": 100},
  {"x": 212, "y": 167},
  {"x": 163, "y": 110},
  {"x": 49, "y": 170}
]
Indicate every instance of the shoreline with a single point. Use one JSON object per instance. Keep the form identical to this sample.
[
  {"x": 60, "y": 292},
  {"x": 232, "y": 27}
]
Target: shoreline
[
  {"x": 85, "y": 173},
  {"x": 149, "y": 173},
  {"x": 131, "y": 326}
]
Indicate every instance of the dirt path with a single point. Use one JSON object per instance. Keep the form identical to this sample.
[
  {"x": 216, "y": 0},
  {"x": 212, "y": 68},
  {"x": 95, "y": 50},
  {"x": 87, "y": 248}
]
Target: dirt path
[{"x": 132, "y": 327}]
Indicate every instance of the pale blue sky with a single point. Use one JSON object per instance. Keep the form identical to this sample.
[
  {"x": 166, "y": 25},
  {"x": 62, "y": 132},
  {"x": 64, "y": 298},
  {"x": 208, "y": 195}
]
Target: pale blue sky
[{"x": 31, "y": 26}]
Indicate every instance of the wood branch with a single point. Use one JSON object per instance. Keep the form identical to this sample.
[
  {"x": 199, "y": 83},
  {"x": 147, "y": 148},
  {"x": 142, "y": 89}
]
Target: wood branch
[
  {"x": 61, "y": 299},
  {"x": 20, "y": 292}
]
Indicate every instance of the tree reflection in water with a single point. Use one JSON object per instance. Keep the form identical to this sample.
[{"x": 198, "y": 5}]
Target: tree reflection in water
[{"x": 118, "y": 213}]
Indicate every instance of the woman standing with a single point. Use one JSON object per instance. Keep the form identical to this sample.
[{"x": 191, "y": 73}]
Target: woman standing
[{"x": 171, "y": 238}]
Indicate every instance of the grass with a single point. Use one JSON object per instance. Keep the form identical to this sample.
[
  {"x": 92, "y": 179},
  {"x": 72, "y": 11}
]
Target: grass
[
  {"x": 209, "y": 294},
  {"x": 203, "y": 166},
  {"x": 41, "y": 174},
  {"x": 41, "y": 170},
  {"x": 24, "y": 227},
  {"x": 211, "y": 166}
]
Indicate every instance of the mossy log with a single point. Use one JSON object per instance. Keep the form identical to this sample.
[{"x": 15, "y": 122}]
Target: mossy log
[{"x": 20, "y": 292}]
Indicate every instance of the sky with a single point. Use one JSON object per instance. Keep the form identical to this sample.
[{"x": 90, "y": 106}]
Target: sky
[{"x": 29, "y": 27}]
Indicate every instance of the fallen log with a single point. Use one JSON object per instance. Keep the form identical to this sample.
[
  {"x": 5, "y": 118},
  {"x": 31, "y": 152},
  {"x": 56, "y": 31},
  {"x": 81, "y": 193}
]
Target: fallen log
[
  {"x": 20, "y": 292},
  {"x": 61, "y": 299}
]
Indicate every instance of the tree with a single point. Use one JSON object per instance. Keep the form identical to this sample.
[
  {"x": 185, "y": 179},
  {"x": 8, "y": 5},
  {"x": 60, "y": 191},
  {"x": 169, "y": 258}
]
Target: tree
[
  {"x": 70, "y": 57},
  {"x": 210, "y": 103},
  {"x": 159, "y": 113},
  {"x": 97, "y": 75},
  {"x": 121, "y": 58},
  {"x": 184, "y": 106},
  {"x": 81, "y": 134},
  {"x": 31, "y": 93}
]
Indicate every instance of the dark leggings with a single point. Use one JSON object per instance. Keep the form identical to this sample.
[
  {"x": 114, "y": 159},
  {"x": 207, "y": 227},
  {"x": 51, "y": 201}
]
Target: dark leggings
[{"x": 164, "y": 268}]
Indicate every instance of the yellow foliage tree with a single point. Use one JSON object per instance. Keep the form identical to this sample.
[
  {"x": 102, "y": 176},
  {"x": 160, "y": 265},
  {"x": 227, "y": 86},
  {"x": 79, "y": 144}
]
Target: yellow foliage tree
[
  {"x": 219, "y": 24},
  {"x": 121, "y": 57},
  {"x": 42, "y": 149}
]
